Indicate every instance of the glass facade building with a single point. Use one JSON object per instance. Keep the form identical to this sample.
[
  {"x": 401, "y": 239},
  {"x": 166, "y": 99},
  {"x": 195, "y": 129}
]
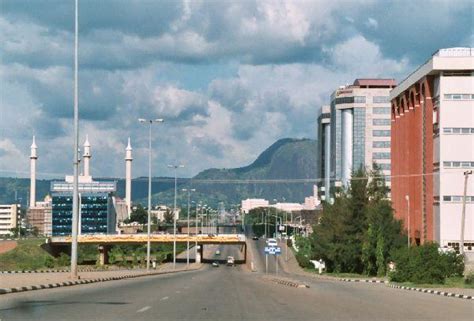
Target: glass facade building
[
  {"x": 359, "y": 128},
  {"x": 97, "y": 212}
]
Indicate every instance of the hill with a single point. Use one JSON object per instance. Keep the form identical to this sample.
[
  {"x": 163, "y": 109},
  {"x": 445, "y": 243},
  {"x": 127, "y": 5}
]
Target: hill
[{"x": 285, "y": 159}]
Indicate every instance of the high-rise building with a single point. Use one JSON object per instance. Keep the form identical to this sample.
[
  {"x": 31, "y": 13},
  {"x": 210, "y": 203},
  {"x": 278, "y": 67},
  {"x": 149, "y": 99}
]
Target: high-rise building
[
  {"x": 432, "y": 145},
  {"x": 359, "y": 130},
  {"x": 324, "y": 151},
  {"x": 9, "y": 217},
  {"x": 97, "y": 212}
]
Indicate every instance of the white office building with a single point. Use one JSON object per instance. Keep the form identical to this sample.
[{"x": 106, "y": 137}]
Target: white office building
[{"x": 9, "y": 216}]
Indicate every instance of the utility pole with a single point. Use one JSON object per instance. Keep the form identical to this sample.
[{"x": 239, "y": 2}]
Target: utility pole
[
  {"x": 189, "y": 209},
  {"x": 174, "y": 209},
  {"x": 463, "y": 215},
  {"x": 148, "y": 241},
  {"x": 75, "y": 183}
]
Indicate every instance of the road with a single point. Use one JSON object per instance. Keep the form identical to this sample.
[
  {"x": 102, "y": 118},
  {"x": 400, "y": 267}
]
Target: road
[{"x": 229, "y": 293}]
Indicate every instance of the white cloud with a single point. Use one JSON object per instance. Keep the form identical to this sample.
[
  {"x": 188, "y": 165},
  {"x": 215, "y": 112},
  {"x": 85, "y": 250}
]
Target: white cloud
[
  {"x": 289, "y": 57},
  {"x": 363, "y": 58},
  {"x": 372, "y": 23}
]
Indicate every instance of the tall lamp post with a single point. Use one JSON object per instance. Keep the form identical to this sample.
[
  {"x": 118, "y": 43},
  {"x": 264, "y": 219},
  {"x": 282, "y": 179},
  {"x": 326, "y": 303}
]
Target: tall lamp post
[
  {"x": 407, "y": 198},
  {"x": 148, "y": 243},
  {"x": 189, "y": 190},
  {"x": 463, "y": 215},
  {"x": 75, "y": 184},
  {"x": 175, "y": 167}
]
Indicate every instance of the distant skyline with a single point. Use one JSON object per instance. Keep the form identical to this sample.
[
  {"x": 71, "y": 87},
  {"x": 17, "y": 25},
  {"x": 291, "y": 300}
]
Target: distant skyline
[{"x": 229, "y": 77}]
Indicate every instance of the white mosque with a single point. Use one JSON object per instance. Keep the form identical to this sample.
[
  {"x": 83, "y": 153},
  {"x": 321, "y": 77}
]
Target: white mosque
[{"x": 100, "y": 209}]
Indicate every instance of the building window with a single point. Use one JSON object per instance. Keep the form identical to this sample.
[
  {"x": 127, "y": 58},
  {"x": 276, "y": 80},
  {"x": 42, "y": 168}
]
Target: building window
[
  {"x": 381, "y": 99},
  {"x": 460, "y": 164},
  {"x": 381, "y": 144},
  {"x": 384, "y": 167},
  {"x": 344, "y": 100},
  {"x": 380, "y": 155},
  {"x": 359, "y": 99},
  {"x": 457, "y": 199},
  {"x": 381, "y": 133},
  {"x": 381, "y": 122},
  {"x": 458, "y": 130},
  {"x": 458, "y": 96},
  {"x": 381, "y": 110}
]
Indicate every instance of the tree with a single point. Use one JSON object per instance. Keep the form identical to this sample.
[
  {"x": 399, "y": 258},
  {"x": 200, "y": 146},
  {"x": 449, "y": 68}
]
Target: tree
[
  {"x": 168, "y": 216},
  {"x": 358, "y": 232},
  {"x": 139, "y": 215}
]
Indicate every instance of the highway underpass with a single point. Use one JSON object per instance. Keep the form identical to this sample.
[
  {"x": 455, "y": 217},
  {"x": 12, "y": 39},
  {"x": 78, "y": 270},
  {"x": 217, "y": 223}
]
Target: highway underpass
[{"x": 58, "y": 244}]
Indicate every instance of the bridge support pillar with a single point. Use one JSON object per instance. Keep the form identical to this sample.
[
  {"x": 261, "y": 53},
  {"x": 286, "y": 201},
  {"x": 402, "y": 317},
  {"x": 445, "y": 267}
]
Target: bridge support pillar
[
  {"x": 199, "y": 253},
  {"x": 104, "y": 254},
  {"x": 245, "y": 252}
]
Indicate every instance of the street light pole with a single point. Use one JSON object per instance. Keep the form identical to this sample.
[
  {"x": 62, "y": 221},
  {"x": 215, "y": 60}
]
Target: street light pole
[
  {"x": 75, "y": 184},
  {"x": 463, "y": 215},
  {"x": 407, "y": 197},
  {"x": 189, "y": 208},
  {"x": 174, "y": 209},
  {"x": 148, "y": 242}
]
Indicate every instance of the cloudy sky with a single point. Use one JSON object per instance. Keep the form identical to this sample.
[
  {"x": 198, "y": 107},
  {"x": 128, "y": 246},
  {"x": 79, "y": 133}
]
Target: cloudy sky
[{"x": 229, "y": 77}]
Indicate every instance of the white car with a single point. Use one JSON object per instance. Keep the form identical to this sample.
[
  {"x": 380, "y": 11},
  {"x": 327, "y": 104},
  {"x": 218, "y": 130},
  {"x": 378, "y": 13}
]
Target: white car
[{"x": 272, "y": 242}]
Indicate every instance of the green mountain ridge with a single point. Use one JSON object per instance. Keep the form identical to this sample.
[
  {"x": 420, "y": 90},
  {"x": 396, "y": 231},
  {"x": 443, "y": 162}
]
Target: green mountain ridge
[{"x": 287, "y": 158}]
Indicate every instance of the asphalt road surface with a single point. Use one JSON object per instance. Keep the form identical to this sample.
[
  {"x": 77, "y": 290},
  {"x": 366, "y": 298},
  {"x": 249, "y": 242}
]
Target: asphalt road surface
[{"x": 229, "y": 293}]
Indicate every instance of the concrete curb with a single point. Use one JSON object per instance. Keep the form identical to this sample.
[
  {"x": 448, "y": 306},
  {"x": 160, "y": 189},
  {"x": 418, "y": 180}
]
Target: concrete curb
[
  {"x": 86, "y": 281},
  {"x": 287, "y": 282},
  {"x": 363, "y": 280},
  {"x": 395, "y": 286},
  {"x": 61, "y": 271},
  {"x": 436, "y": 292}
]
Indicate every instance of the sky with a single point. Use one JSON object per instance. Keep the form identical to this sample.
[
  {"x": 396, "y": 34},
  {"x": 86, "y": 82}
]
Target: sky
[{"x": 228, "y": 77}]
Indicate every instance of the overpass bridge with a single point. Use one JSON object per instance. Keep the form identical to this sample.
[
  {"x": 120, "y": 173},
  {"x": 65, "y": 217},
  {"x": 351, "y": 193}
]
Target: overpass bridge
[{"x": 58, "y": 244}]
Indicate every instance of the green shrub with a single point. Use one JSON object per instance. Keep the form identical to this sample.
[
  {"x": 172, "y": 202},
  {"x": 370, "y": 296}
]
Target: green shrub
[
  {"x": 425, "y": 265},
  {"x": 49, "y": 262},
  {"x": 469, "y": 278},
  {"x": 303, "y": 261},
  {"x": 63, "y": 260}
]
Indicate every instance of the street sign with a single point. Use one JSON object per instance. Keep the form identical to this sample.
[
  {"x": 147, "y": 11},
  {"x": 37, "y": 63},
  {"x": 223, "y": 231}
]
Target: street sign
[{"x": 273, "y": 250}]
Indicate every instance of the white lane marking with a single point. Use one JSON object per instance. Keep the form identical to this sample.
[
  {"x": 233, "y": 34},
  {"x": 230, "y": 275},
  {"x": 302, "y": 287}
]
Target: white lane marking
[
  {"x": 178, "y": 291},
  {"x": 164, "y": 298},
  {"x": 143, "y": 309}
]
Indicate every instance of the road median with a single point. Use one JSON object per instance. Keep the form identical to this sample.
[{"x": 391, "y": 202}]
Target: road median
[{"x": 61, "y": 280}]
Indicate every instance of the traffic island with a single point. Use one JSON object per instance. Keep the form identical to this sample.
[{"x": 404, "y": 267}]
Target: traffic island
[{"x": 93, "y": 280}]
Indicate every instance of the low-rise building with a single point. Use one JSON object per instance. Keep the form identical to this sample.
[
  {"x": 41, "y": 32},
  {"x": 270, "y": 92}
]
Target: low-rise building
[
  {"x": 251, "y": 203},
  {"x": 9, "y": 216},
  {"x": 40, "y": 216},
  {"x": 160, "y": 211}
]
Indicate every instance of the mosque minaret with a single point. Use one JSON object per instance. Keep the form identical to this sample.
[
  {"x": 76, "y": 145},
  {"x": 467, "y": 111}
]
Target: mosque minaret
[
  {"x": 33, "y": 158},
  {"x": 128, "y": 177},
  {"x": 87, "y": 156}
]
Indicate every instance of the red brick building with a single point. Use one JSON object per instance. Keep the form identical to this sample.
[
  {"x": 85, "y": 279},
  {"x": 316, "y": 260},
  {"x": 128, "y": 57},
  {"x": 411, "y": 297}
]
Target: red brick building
[{"x": 431, "y": 133}]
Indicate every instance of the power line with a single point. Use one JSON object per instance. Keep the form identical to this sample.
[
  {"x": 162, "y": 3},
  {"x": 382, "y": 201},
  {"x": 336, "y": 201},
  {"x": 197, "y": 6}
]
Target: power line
[{"x": 263, "y": 181}]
